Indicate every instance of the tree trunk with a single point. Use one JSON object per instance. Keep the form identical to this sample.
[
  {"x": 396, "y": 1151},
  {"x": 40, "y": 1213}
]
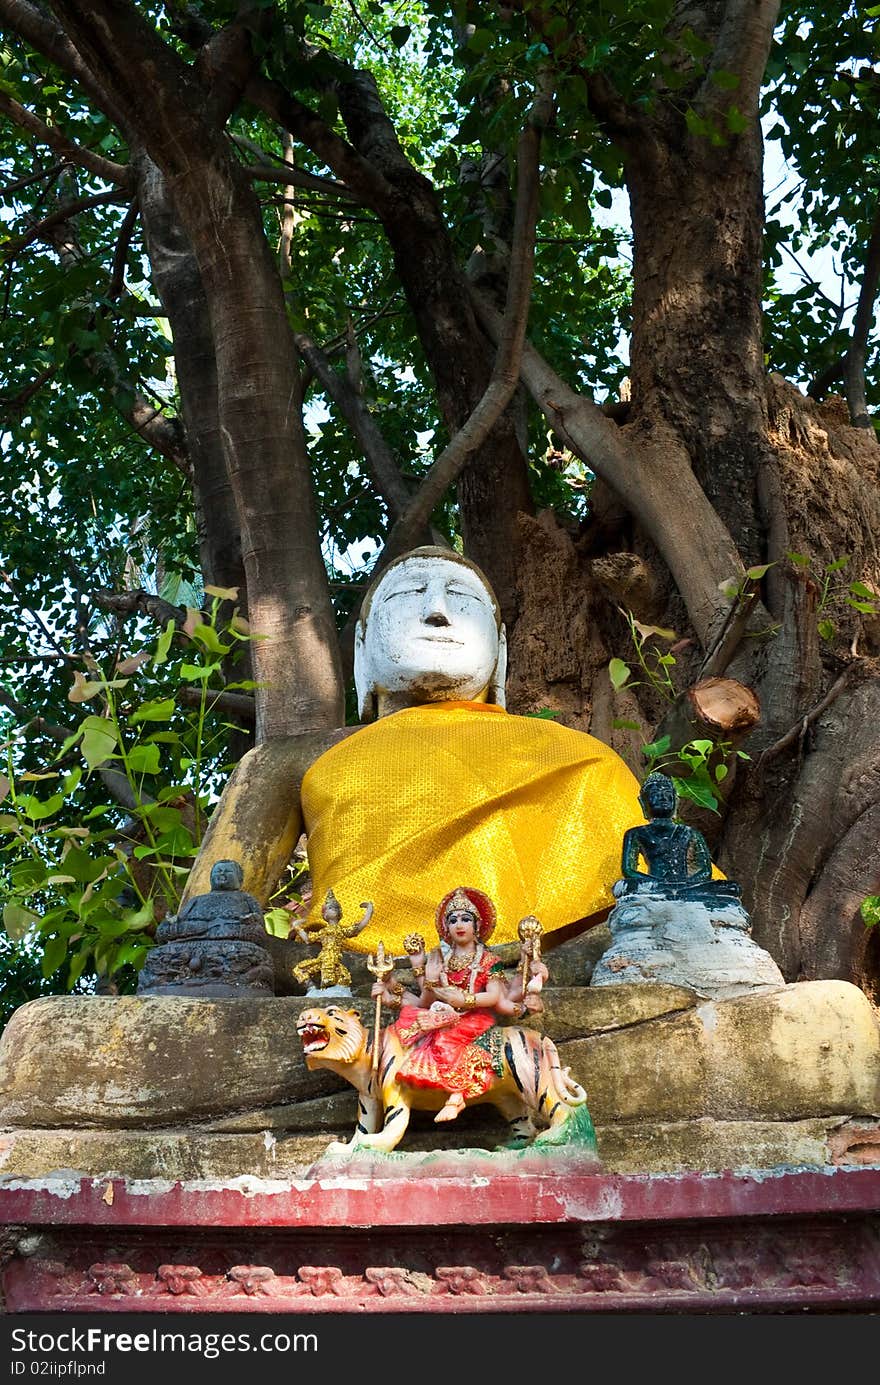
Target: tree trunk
[{"x": 258, "y": 385}]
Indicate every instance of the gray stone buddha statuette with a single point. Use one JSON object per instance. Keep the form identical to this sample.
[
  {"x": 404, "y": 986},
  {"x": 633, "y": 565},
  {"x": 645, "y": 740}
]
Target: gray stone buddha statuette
[{"x": 217, "y": 946}]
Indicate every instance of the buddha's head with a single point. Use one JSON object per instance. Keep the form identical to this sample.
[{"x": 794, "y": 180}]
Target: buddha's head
[
  {"x": 226, "y": 875},
  {"x": 658, "y": 796},
  {"x": 429, "y": 631}
]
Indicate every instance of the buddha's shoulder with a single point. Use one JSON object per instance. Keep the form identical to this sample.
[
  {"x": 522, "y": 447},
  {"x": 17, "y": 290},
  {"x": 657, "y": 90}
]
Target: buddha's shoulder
[{"x": 410, "y": 729}]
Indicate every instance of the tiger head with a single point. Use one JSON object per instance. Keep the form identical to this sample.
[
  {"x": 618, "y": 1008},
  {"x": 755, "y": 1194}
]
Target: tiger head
[{"x": 331, "y": 1035}]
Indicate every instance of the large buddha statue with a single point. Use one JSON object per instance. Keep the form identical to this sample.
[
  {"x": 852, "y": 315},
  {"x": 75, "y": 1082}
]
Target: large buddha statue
[{"x": 440, "y": 783}]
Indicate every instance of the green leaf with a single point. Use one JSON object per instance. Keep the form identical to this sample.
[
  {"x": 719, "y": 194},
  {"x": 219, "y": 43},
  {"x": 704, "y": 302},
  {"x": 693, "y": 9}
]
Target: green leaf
[
  {"x": 826, "y": 629},
  {"x": 618, "y": 672},
  {"x": 621, "y": 724},
  {"x": 144, "y": 759},
  {"x": 35, "y": 809},
  {"x": 399, "y": 34},
  {"x": 17, "y": 920},
  {"x": 735, "y": 121},
  {"x": 859, "y": 589},
  {"x": 207, "y": 637},
  {"x": 192, "y": 673},
  {"x": 98, "y": 743},
  {"x": 837, "y": 564},
  {"x": 163, "y": 644},
  {"x": 756, "y": 573},
  {"x": 657, "y": 748},
  {"x": 727, "y": 81},
  {"x": 160, "y": 709},
  {"x": 277, "y": 922},
  {"x": 54, "y": 954},
  {"x": 84, "y": 867},
  {"x": 702, "y": 747},
  {"x": 130, "y": 954},
  {"x": 697, "y": 793},
  {"x": 799, "y": 559}
]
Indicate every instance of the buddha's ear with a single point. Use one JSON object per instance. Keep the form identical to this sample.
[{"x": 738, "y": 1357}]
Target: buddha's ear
[
  {"x": 499, "y": 673},
  {"x": 366, "y": 701}
]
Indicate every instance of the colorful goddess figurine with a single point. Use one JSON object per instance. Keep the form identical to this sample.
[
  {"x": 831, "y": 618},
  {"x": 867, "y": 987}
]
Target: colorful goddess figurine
[
  {"x": 446, "y": 1049},
  {"x": 463, "y": 992}
]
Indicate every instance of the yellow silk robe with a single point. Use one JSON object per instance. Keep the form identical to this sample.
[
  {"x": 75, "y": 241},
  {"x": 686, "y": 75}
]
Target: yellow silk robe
[{"x": 461, "y": 793}]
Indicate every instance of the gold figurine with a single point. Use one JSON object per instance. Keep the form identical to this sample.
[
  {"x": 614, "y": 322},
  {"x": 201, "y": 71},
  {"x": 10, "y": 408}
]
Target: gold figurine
[{"x": 328, "y": 967}]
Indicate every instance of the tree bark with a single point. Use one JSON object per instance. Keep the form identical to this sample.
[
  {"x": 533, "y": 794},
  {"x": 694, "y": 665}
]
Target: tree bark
[{"x": 258, "y": 387}]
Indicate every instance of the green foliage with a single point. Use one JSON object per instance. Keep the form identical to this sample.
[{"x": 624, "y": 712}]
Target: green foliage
[
  {"x": 653, "y": 664},
  {"x": 85, "y": 876},
  {"x": 700, "y": 767},
  {"x": 821, "y": 103},
  {"x": 870, "y": 910}
]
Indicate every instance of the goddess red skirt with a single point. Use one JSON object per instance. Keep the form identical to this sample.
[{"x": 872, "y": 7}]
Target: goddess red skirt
[{"x": 446, "y": 1058}]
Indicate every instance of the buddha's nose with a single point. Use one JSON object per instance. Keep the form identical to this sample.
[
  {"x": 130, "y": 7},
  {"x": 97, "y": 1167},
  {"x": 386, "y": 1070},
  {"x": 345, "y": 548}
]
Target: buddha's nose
[{"x": 436, "y": 617}]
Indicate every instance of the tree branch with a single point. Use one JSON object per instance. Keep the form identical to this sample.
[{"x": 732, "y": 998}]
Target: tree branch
[
  {"x": 57, "y": 218},
  {"x": 140, "y": 603},
  {"x": 854, "y": 372},
  {"x": 41, "y": 31},
  {"x": 378, "y": 454},
  {"x": 51, "y": 172},
  {"x": 120, "y": 174},
  {"x": 796, "y": 732},
  {"x": 116, "y": 285},
  {"x": 658, "y": 489},
  {"x": 360, "y": 178},
  {"x": 819, "y": 387},
  {"x": 236, "y": 704},
  {"x": 505, "y": 371}
]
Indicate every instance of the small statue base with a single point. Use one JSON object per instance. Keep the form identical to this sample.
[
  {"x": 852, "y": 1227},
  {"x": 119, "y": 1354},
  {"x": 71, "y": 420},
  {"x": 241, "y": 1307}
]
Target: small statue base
[
  {"x": 674, "y": 923},
  {"x": 570, "y": 1149},
  {"x": 694, "y": 939},
  {"x": 329, "y": 992}
]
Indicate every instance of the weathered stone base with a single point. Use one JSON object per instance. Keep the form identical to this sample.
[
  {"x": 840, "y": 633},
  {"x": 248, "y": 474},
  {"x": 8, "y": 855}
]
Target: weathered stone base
[
  {"x": 793, "y": 1241},
  {"x": 637, "y": 1147},
  {"x": 643, "y": 1052}
]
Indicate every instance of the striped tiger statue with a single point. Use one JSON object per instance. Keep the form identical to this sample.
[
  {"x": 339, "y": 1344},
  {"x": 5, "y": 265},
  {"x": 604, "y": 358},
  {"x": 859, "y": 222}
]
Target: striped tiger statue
[{"x": 539, "y": 1099}]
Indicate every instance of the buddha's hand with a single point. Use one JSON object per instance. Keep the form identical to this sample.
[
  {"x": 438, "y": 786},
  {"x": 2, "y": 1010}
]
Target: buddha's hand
[{"x": 532, "y": 1002}]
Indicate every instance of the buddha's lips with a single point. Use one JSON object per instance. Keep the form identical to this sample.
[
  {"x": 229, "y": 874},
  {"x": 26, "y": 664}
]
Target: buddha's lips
[
  {"x": 439, "y": 639},
  {"x": 313, "y": 1037}
]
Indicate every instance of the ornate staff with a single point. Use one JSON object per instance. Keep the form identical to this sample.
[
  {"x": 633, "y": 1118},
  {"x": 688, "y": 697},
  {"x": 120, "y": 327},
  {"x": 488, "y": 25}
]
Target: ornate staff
[
  {"x": 529, "y": 932},
  {"x": 379, "y": 966}
]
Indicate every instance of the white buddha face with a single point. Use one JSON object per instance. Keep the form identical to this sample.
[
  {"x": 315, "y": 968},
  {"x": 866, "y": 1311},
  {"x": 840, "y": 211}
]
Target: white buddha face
[{"x": 431, "y": 634}]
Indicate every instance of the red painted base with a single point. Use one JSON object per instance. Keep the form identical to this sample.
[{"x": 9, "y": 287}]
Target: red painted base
[{"x": 593, "y": 1242}]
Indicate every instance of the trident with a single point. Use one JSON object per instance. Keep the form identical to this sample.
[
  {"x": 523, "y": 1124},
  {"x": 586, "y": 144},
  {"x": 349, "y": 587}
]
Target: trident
[{"x": 379, "y": 966}]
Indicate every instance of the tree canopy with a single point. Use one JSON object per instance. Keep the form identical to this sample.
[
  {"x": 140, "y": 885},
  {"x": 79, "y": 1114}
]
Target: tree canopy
[{"x": 291, "y": 287}]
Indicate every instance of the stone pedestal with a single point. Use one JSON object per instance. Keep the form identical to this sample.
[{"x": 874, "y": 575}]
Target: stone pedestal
[
  {"x": 171, "y": 1157},
  {"x": 684, "y": 939}
]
